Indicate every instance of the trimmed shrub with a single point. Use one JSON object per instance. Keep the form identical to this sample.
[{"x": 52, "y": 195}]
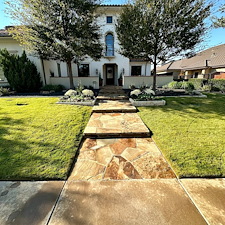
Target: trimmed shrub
[
  {"x": 187, "y": 86},
  {"x": 20, "y": 72},
  {"x": 198, "y": 83},
  {"x": 217, "y": 84},
  {"x": 174, "y": 85}
]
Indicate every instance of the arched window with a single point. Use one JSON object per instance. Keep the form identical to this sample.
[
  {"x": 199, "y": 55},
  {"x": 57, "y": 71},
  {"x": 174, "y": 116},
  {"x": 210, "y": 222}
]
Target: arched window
[{"x": 109, "y": 41}]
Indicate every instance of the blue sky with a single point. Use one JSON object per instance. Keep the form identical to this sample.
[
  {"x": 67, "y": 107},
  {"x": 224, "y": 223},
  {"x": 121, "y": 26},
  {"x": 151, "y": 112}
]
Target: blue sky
[{"x": 214, "y": 37}]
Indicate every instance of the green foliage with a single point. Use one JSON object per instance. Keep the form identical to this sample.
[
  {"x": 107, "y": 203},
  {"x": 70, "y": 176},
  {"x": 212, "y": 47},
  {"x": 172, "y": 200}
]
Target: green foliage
[
  {"x": 64, "y": 30},
  {"x": 187, "y": 86},
  {"x": 220, "y": 22},
  {"x": 39, "y": 138},
  {"x": 208, "y": 85},
  {"x": 20, "y": 72},
  {"x": 190, "y": 133},
  {"x": 161, "y": 29},
  {"x": 197, "y": 82},
  {"x": 55, "y": 88},
  {"x": 4, "y": 91},
  {"x": 174, "y": 85},
  {"x": 217, "y": 84}
]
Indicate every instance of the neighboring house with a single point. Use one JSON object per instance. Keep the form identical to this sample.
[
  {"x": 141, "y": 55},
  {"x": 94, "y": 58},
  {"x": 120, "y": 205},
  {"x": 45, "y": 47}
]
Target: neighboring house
[
  {"x": 207, "y": 64},
  {"x": 110, "y": 67}
]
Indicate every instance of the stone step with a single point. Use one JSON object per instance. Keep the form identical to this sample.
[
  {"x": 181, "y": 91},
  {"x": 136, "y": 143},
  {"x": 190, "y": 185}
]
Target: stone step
[
  {"x": 104, "y": 106},
  {"x": 116, "y": 125},
  {"x": 112, "y": 97}
]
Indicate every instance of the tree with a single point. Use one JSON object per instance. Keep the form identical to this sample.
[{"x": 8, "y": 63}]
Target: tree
[
  {"x": 63, "y": 30},
  {"x": 157, "y": 30},
  {"x": 20, "y": 72},
  {"x": 220, "y": 22}
]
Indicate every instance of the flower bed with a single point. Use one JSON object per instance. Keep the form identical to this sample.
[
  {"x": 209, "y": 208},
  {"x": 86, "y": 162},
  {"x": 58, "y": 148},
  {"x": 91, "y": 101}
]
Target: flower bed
[
  {"x": 147, "y": 103},
  {"x": 79, "y": 96},
  {"x": 144, "y": 97}
]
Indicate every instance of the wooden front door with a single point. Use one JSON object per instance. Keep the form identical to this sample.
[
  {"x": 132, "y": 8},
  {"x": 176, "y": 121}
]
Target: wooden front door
[{"x": 110, "y": 72}]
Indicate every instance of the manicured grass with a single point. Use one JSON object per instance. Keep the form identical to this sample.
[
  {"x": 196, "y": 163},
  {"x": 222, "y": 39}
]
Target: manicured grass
[
  {"x": 191, "y": 134},
  {"x": 38, "y": 138}
]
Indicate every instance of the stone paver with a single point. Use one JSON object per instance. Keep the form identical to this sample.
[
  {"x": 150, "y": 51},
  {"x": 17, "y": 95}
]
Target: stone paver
[
  {"x": 104, "y": 106},
  {"x": 116, "y": 125},
  {"x": 151, "y": 202},
  {"x": 209, "y": 196},
  {"x": 120, "y": 159},
  {"x": 112, "y": 97},
  {"x": 28, "y": 203}
]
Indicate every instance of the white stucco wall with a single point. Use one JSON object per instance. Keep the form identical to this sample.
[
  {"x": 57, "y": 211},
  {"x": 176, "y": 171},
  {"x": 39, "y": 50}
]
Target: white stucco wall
[{"x": 137, "y": 81}]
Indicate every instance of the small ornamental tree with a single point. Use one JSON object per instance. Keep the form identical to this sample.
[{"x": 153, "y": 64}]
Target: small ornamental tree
[
  {"x": 20, "y": 72},
  {"x": 220, "y": 22},
  {"x": 157, "y": 30},
  {"x": 63, "y": 30}
]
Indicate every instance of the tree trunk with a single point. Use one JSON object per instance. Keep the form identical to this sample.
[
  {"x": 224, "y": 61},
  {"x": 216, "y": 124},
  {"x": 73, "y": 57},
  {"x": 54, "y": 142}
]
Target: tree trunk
[
  {"x": 43, "y": 68},
  {"x": 154, "y": 74},
  {"x": 70, "y": 74}
]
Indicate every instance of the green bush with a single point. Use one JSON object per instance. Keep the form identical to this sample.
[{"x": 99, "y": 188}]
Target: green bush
[
  {"x": 4, "y": 91},
  {"x": 187, "y": 86},
  {"x": 20, "y": 72},
  {"x": 217, "y": 84},
  {"x": 174, "y": 85},
  {"x": 50, "y": 87},
  {"x": 198, "y": 83}
]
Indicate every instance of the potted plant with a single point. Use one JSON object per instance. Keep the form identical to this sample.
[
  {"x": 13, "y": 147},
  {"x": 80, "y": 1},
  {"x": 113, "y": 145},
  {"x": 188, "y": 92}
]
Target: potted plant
[
  {"x": 100, "y": 80},
  {"x": 120, "y": 80}
]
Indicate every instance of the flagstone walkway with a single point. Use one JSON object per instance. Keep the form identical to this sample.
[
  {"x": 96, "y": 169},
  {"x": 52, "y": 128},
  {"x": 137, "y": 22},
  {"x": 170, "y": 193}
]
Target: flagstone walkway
[{"x": 120, "y": 176}]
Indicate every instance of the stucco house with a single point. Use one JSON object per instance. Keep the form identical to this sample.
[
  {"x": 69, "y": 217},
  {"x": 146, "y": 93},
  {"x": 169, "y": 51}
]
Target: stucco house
[
  {"x": 110, "y": 67},
  {"x": 209, "y": 63}
]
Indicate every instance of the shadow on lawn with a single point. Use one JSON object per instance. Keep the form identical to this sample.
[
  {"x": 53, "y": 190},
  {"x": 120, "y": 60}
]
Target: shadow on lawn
[{"x": 17, "y": 162}]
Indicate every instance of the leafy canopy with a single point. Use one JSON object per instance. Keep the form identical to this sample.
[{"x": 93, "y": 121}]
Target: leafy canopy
[
  {"x": 162, "y": 28},
  {"x": 57, "y": 29},
  {"x": 157, "y": 30},
  {"x": 220, "y": 22}
]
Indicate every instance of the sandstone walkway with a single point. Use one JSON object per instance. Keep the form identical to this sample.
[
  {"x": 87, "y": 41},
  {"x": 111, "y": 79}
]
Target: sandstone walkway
[{"x": 120, "y": 176}]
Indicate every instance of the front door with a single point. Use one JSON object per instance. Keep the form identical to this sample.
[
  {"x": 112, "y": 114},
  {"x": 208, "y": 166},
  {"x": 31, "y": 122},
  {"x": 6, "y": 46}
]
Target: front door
[{"x": 110, "y": 74}]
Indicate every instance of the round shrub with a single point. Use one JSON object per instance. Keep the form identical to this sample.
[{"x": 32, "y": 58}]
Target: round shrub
[
  {"x": 70, "y": 93},
  {"x": 87, "y": 92},
  {"x": 135, "y": 92}
]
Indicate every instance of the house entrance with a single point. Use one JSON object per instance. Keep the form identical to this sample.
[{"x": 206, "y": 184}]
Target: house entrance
[{"x": 110, "y": 74}]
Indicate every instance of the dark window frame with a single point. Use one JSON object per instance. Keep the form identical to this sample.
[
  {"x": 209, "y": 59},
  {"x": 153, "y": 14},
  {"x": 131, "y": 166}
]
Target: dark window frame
[
  {"x": 109, "y": 19},
  {"x": 59, "y": 70},
  {"x": 85, "y": 72},
  {"x": 136, "y": 72}
]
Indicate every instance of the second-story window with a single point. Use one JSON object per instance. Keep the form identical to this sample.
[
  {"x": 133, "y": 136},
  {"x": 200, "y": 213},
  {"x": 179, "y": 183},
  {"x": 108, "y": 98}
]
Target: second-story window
[
  {"x": 109, "y": 19},
  {"x": 109, "y": 41}
]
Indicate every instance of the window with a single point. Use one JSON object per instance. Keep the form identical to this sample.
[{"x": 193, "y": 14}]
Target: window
[
  {"x": 135, "y": 70},
  {"x": 83, "y": 70},
  {"x": 59, "y": 69},
  {"x": 109, "y": 41},
  {"x": 109, "y": 19}
]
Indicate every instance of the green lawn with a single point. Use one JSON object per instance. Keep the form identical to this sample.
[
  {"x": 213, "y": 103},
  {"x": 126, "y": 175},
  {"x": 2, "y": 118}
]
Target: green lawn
[
  {"x": 191, "y": 134},
  {"x": 38, "y": 138}
]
